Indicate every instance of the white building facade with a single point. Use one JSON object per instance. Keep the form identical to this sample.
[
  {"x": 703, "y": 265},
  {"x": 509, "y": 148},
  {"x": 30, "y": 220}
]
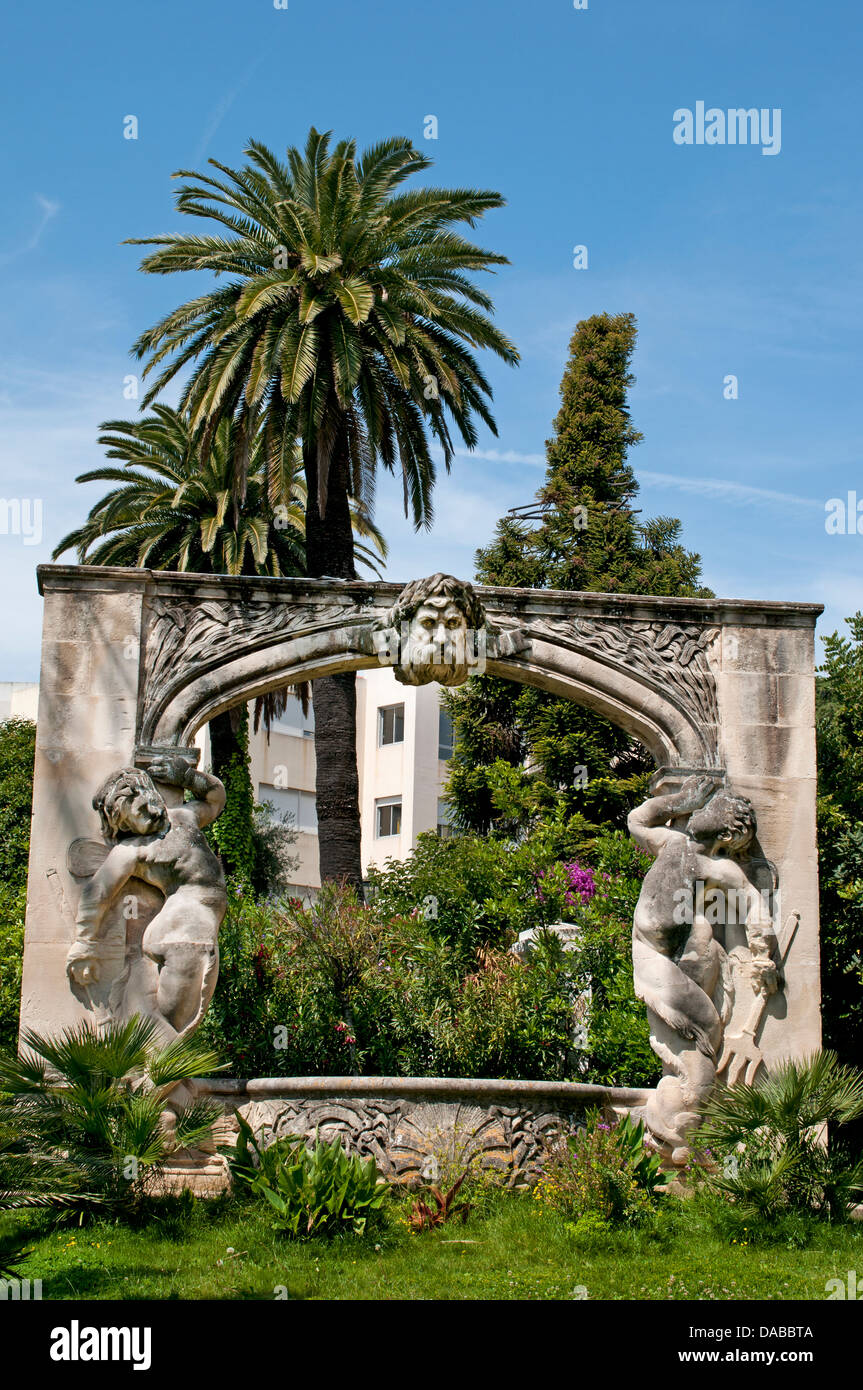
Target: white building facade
[{"x": 404, "y": 744}]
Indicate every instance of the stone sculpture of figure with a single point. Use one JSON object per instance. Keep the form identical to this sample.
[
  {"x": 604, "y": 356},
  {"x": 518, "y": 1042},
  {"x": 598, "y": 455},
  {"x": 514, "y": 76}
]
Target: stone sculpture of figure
[
  {"x": 167, "y": 849},
  {"x": 681, "y": 970},
  {"x": 435, "y": 631}
]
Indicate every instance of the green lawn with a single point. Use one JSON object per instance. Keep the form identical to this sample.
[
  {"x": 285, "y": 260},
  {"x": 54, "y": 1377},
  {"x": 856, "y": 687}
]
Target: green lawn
[{"x": 512, "y": 1249}]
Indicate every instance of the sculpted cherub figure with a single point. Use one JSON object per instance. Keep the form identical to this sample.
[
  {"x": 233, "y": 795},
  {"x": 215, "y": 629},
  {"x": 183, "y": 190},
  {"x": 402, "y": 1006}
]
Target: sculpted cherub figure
[
  {"x": 680, "y": 967},
  {"x": 435, "y": 631},
  {"x": 167, "y": 849}
]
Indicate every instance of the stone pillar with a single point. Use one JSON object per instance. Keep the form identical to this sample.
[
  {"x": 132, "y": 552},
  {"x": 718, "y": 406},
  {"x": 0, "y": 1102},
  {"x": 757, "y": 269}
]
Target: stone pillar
[
  {"x": 86, "y": 728},
  {"x": 766, "y": 694}
]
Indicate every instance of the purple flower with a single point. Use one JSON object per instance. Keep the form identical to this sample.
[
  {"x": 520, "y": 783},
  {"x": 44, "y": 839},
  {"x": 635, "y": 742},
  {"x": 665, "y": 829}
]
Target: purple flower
[{"x": 581, "y": 883}]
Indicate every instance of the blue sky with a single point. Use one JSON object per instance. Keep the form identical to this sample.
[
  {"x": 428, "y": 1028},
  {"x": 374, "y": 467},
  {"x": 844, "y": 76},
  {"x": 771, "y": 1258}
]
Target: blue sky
[{"x": 735, "y": 262}]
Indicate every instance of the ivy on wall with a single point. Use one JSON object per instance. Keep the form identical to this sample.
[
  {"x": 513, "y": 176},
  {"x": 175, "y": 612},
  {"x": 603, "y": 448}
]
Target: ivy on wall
[{"x": 233, "y": 833}]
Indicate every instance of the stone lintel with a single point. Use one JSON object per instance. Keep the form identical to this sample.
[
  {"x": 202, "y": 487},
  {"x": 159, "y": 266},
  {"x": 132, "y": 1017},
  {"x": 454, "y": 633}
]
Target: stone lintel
[
  {"x": 147, "y": 753},
  {"x": 509, "y": 604}
]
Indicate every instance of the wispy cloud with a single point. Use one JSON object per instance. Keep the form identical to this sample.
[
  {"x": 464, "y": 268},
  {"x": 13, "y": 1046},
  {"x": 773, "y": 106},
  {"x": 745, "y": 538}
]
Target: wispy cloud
[
  {"x": 508, "y": 456},
  {"x": 497, "y": 456},
  {"x": 220, "y": 112},
  {"x": 725, "y": 489},
  {"x": 49, "y": 210}
]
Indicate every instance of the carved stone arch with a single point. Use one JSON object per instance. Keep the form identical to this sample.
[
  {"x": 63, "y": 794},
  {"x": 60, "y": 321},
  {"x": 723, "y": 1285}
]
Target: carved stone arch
[
  {"x": 672, "y": 738},
  {"x": 650, "y": 675}
]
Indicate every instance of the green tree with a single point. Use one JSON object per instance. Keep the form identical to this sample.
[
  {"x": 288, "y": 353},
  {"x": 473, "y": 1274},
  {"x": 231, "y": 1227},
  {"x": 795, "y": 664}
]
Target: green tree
[
  {"x": 345, "y": 320},
  {"x": 17, "y": 753},
  {"x": 519, "y": 752},
  {"x": 839, "y": 724}
]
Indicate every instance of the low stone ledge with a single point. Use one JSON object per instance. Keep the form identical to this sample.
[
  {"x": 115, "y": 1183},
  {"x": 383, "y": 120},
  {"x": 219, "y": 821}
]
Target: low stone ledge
[
  {"x": 439, "y": 1086},
  {"x": 415, "y": 1127}
]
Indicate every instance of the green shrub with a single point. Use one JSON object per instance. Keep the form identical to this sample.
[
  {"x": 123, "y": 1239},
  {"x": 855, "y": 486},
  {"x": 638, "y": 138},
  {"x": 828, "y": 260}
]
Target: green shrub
[
  {"x": 472, "y": 891},
  {"x": 339, "y": 989},
  {"x": 476, "y": 892},
  {"x": 421, "y": 981},
  {"x": 591, "y": 1231},
  {"x": 318, "y": 1191},
  {"x": 618, "y": 1045},
  {"x": 12, "y": 903},
  {"x": 17, "y": 751}
]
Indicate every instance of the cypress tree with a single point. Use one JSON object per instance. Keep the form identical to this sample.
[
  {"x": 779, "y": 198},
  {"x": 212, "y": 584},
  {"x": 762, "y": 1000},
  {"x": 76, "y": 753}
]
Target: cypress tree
[{"x": 523, "y": 755}]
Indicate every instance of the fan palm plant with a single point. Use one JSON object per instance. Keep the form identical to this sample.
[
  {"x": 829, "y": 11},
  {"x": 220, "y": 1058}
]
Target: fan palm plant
[
  {"x": 771, "y": 1141},
  {"x": 346, "y": 321},
  {"x": 96, "y": 1101},
  {"x": 31, "y": 1175}
]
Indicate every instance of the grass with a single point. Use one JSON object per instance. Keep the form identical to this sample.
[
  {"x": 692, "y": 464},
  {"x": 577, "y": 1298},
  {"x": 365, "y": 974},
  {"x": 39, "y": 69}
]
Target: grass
[{"x": 511, "y": 1248}]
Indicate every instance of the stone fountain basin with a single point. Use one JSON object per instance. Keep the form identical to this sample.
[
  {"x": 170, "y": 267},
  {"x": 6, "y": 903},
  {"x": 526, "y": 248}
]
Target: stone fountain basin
[{"x": 420, "y": 1128}]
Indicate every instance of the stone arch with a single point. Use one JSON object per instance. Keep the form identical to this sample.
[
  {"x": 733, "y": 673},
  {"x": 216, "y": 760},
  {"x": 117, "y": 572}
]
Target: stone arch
[
  {"x": 651, "y": 676},
  {"x": 652, "y": 718}
]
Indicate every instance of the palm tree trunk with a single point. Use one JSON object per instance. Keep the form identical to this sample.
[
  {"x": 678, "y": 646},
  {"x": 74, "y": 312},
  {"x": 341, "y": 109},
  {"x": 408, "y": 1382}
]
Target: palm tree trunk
[{"x": 330, "y": 551}]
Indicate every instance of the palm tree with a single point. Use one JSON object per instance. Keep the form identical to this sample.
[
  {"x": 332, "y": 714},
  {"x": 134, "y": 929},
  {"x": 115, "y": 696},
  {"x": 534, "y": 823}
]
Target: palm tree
[
  {"x": 171, "y": 510},
  {"x": 346, "y": 323},
  {"x": 770, "y": 1138}
]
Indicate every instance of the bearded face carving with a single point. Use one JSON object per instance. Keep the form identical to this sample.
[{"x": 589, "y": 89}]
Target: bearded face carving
[{"x": 435, "y": 631}]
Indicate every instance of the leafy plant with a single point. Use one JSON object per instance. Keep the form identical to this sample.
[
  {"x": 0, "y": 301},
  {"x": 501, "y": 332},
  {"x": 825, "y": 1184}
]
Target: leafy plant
[
  {"x": 17, "y": 751},
  {"x": 341, "y": 988},
  {"x": 644, "y": 1163},
  {"x": 772, "y": 1153},
  {"x": 99, "y": 1100},
  {"x": 316, "y": 1191},
  {"x": 425, "y": 1218},
  {"x": 12, "y": 904},
  {"x": 591, "y": 1231},
  {"x": 602, "y": 1169},
  {"x": 839, "y": 726},
  {"x": 33, "y": 1176}
]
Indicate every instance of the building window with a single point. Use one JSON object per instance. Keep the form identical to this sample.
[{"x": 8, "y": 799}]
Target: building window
[
  {"x": 391, "y": 724},
  {"x": 388, "y": 817},
  {"x": 445, "y": 736},
  {"x": 298, "y": 806},
  {"x": 444, "y": 819},
  {"x": 293, "y": 721}
]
